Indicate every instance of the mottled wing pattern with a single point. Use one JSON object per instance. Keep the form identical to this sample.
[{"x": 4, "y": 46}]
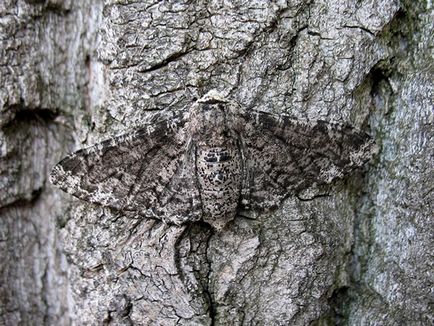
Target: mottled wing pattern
[
  {"x": 172, "y": 193},
  {"x": 285, "y": 156},
  {"x": 147, "y": 171}
]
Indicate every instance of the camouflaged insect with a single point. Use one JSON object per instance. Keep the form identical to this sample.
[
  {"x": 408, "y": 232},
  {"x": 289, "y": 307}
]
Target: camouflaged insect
[{"x": 210, "y": 162}]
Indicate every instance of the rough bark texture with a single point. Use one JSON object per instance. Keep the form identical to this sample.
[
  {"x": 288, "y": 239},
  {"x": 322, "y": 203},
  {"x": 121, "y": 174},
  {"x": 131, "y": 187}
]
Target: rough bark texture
[
  {"x": 392, "y": 256},
  {"x": 359, "y": 253},
  {"x": 44, "y": 88}
]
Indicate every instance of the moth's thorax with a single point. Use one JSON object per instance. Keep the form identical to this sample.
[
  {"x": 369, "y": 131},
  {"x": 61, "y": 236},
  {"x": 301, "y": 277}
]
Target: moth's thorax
[{"x": 213, "y": 122}]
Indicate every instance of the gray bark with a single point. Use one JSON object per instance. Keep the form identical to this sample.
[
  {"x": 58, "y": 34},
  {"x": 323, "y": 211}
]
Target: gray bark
[{"x": 358, "y": 253}]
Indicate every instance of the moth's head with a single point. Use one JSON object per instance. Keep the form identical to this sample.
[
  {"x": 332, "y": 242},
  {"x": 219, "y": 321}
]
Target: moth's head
[
  {"x": 213, "y": 97},
  {"x": 213, "y": 114},
  {"x": 211, "y": 109}
]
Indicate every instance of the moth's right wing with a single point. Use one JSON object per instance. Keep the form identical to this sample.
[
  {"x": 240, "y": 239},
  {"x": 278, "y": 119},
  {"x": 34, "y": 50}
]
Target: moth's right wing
[
  {"x": 286, "y": 156},
  {"x": 149, "y": 172}
]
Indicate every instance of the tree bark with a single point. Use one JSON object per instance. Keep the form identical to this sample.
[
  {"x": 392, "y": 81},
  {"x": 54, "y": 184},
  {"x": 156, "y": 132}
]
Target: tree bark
[{"x": 76, "y": 72}]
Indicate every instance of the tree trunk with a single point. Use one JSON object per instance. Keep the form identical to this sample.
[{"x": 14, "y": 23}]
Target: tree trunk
[{"x": 76, "y": 72}]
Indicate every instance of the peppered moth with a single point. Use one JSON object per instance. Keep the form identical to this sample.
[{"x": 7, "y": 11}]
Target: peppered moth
[{"x": 210, "y": 161}]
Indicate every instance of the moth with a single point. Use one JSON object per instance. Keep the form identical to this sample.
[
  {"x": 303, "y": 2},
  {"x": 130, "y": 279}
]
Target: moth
[{"x": 211, "y": 161}]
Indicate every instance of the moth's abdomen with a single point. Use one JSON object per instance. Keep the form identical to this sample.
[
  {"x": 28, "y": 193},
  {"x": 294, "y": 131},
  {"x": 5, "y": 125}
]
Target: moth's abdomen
[{"x": 219, "y": 177}]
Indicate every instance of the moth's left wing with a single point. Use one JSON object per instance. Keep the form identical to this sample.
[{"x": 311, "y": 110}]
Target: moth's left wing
[
  {"x": 284, "y": 156},
  {"x": 148, "y": 172}
]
